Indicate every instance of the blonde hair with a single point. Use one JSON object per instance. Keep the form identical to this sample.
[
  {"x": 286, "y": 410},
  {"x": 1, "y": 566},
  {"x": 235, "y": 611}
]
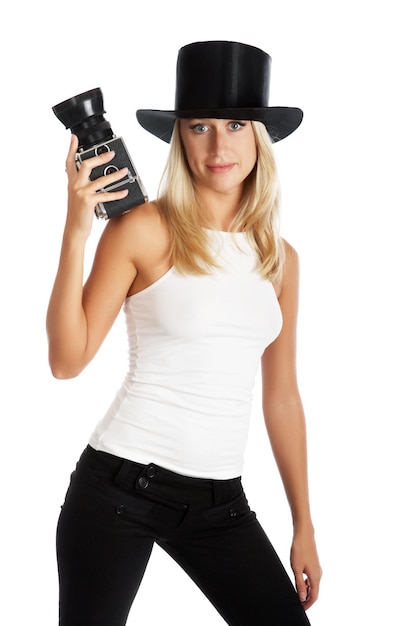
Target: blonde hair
[{"x": 258, "y": 213}]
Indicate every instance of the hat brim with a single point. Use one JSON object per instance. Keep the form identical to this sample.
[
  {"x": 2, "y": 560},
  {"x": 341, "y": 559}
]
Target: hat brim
[{"x": 279, "y": 121}]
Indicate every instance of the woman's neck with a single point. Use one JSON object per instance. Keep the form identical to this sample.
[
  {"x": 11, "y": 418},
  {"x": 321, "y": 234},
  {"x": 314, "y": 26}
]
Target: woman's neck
[{"x": 221, "y": 209}]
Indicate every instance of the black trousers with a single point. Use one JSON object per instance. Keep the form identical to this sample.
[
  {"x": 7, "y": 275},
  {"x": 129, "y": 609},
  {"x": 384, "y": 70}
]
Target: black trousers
[{"x": 114, "y": 512}]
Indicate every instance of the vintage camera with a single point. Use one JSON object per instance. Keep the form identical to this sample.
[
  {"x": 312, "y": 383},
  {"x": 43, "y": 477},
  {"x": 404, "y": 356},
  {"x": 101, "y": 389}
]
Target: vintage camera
[{"x": 84, "y": 115}]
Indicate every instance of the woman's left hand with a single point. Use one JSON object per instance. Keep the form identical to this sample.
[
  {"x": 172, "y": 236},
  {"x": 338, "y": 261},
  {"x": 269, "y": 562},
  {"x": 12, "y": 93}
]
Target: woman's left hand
[{"x": 306, "y": 567}]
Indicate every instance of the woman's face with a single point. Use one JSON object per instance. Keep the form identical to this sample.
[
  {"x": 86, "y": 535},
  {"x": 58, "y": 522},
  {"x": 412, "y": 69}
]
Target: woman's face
[{"x": 220, "y": 153}]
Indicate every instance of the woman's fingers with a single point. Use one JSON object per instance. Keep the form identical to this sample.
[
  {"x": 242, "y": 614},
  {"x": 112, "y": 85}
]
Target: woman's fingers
[
  {"x": 108, "y": 179},
  {"x": 83, "y": 172},
  {"x": 70, "y": 166},
  {"x": 80, "y": 184},
  {"x": 88, "y": 165}
]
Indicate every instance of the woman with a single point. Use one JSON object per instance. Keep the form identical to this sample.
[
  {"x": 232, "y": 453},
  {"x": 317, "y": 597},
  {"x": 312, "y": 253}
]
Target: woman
[{"x": 209, "y": 290}]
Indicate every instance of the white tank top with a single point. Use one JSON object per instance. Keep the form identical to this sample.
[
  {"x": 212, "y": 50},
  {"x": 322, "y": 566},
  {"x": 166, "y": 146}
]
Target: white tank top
[{"x": 195, "y": 344}]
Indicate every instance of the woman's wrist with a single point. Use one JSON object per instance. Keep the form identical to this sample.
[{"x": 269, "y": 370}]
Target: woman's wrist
[{"x": 303, "y": 525}]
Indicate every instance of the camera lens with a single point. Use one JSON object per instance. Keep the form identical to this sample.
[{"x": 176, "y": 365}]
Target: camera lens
[{"x": 84, "y": 115}]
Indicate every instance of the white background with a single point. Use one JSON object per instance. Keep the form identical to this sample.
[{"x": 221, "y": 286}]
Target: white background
[{"x": 348, "y": 181}]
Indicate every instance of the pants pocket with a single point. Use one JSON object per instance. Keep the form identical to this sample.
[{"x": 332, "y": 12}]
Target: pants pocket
[{"x": 236, "y": 511}]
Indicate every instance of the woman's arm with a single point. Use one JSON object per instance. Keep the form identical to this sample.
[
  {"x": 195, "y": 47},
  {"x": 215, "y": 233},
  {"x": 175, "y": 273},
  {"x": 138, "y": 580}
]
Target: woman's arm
[
  {"x": 78, "y": 318},
  {"x": 284, "y": 418}
]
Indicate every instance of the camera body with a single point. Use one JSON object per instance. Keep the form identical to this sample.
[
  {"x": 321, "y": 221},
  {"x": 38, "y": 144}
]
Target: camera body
[
  {"x": 83, "y": 114},
  {"x": 132, "y": 182}
]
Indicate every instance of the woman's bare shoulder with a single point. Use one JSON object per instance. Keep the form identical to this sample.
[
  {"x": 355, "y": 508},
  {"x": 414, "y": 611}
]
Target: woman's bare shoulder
[
  {"x": 143, "y": 216},
  {"x": 290, "y": 268},
  {"x": 141, "y": 228},
  {"x": 141, "y": 237},
  {"x": 291, "y": 254}
]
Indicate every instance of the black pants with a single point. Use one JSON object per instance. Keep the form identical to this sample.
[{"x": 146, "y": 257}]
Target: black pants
[{"x": 114, "y": 512}]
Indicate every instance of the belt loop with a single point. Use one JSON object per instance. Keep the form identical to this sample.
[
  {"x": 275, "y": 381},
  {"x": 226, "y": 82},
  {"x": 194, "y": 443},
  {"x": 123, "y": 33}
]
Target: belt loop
[{"x": 122, "y": 473}]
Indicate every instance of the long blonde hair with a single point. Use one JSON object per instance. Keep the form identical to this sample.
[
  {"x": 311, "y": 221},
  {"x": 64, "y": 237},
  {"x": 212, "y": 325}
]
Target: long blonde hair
[{"x": 258, "y": 214}]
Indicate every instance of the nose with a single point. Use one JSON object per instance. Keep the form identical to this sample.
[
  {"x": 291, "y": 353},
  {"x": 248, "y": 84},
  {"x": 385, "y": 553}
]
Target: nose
[{"x": 219, "y": 141}]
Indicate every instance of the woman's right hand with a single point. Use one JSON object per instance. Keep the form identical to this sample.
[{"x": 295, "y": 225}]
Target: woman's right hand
[{"x": 82, "y": 192}]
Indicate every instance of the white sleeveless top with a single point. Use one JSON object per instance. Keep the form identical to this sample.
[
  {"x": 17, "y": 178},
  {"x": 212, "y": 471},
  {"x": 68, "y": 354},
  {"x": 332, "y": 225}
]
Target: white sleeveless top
[{"x": 195, "y": 344}]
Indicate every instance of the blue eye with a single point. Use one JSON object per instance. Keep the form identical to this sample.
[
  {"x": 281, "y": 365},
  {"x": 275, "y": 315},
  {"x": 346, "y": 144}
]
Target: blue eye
[
  {"x": 200, "y": 128},
  {"x": 236, "y": 125}
]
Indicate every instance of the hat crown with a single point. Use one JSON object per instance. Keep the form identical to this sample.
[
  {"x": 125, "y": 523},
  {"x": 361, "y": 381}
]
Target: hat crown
[{"x": 221, "y": 75}]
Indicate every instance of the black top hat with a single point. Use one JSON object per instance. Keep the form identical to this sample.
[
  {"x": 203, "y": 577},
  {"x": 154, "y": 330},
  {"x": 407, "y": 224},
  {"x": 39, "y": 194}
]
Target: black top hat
[{"x": 226, "y": 80}]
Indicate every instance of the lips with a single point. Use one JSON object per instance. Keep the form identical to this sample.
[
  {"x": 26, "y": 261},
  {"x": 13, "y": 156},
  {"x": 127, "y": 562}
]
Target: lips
[{"x": 220, "y": 168}]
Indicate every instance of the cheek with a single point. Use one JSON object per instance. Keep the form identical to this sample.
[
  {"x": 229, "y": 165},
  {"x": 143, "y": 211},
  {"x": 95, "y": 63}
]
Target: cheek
[{"x": 251, "y": 155}]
